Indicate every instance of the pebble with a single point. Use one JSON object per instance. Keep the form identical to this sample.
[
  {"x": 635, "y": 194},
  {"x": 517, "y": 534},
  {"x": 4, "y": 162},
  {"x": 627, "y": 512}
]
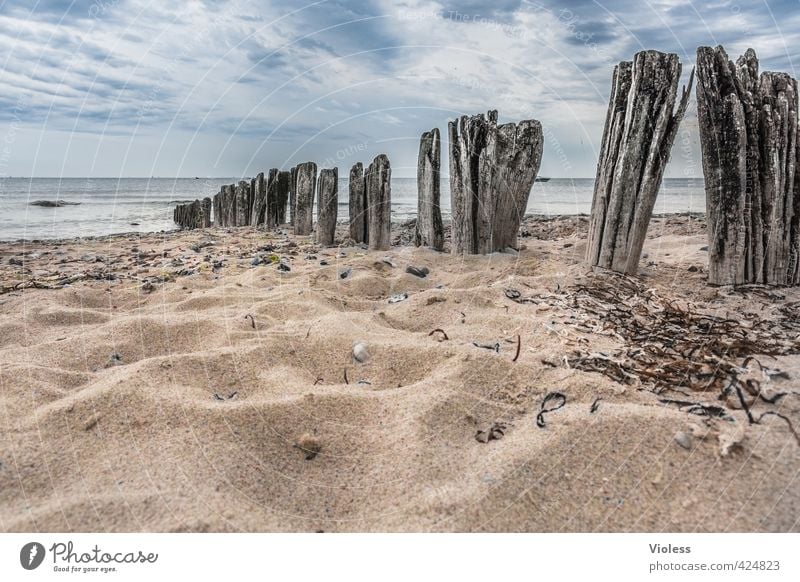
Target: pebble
[
  {"x": 683, "y": 439},
  {"x": 420, "y": 272},
  {"x": 398, "y": 297},
  {"x": 360, "y": 352},
  {"x": 323, "y": 263},
  {"x": 284, "y": 267}
]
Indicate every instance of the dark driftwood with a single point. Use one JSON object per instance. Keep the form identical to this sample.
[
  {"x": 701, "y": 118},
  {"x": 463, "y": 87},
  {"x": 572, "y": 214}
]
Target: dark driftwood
[
  {"x": 358, "y": 204},
  {"x": 304, "y": 197},
  {"x": 639, "y": 132},
  {"x": 748, "y": 135},
  {"x": 258, "y": 215},
  {"x": 327, "y": 205},
  {"x": 229, "y": 205},
  {"x": 217, "y": 204},
  {"x": 492, "y": 171},
  {"x": 378, "y": 178},
  {"x": 429, "y": 229}
]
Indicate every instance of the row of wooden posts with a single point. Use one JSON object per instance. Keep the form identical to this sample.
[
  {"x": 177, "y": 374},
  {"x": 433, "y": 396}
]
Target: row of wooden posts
[{"x": 751, "y": 161}]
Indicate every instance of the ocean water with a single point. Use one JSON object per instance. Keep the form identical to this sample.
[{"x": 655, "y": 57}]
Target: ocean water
[{"x": 114, "y": 205}]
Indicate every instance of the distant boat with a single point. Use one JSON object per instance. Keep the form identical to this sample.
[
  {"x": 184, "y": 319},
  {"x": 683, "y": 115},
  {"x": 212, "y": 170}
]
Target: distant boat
[{"x": 542, "y": 180}]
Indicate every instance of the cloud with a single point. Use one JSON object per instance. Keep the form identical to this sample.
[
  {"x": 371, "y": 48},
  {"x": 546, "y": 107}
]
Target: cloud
[{"x": 225, "y": 88}]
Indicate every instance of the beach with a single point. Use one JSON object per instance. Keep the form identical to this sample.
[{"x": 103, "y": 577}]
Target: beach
[{"x": 206, "y": 381}]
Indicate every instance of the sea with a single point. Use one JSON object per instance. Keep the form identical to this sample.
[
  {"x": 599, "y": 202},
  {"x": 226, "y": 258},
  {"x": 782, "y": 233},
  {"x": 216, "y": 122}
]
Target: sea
[{"x": 118, "y": 205}]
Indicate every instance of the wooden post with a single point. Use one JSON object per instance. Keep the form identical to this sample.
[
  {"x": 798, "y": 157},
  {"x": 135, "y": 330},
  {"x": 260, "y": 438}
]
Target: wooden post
[
  {"x": 748, "y": 137},
  {"x": 429, "y": 229},
  {"x": 272, "y": 198},
  {"x": 218, "y": 208},
  {"x": 304, "y": 197},
  {"x": 492, "y": 171},
  {"x": 358, "y": 204},
  {"x": 379, "y": 203},
  {"x": 281, "y": 196},
  {"x": 327, "y": 205},
  {"x": 229, "y": 205},
  {"x": 258, "y": 215},
  {"x": 206, "y": 210},
  {"x": 242, "y": 195},
  {"x": 639, "y": 131},
  {"x": 292, "y": 194}
]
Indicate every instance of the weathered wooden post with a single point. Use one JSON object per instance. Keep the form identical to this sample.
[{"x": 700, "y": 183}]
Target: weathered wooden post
[
  {"x": 429, "y": 229},
  {"x": 357, "y": 204},
  {"x": 281, "y": 197},
  {"x": 206, "y": 211},
  {"x": 492, "y": 171},
  {"x": 242, "y": 195},
  {"x": 229, "y": 205},
  {"x": 327, "y": 205},
  {"x": 218, "y": 208},
  {"x": 257, "y": 217},
  {"x": 378, "y": 178},
  {"x": 292, "y": 194},
  {"x": 639, "y": 132},
  {"x": 749, "y": 141},
  {"x": 272, "y": 198},
  {"x": 304, "y": 197}
]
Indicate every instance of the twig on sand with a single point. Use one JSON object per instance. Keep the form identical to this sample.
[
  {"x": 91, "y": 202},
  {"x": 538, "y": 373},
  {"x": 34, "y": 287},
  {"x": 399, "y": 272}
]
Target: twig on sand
[
  {"x": 595, "y": 405},
  {"x": 252, "y": 320},
  {"x": 519, "y": 346},
  {"x": 346, "y": 381}
]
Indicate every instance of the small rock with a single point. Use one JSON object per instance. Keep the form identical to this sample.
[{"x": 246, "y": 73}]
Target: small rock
[
  {"x": 360, "y": 352},
  {"x": 15, "y": 261},
  {"x": 255, "y": 261},
  {"x": 345, "y": 273},
  {"x": 705, "y": 248},
  {"x": 420, "y": 272},
  {"x": 147, "y": 287},
  {"x": 309, "y": 445},
  {"x": 693, "y": 269},
  {"x": 114, "y": 360},
  {"x": 284, "y": 267},
  {"x": 388, "y": 261},
  {"x": 683, "y": 439},
  {"x": 398, "y": 297},
  {"x": 323, "y": 263}
]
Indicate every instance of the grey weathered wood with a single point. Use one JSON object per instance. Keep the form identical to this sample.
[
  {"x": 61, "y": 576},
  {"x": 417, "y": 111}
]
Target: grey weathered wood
[
  {"x": 357, "y": 204},
  {"x": 378, "y": 179},
  {"x": 280, "y": 198},
  {"x": 327, "y": 205},
  {"x": 218, "y": 208},
  {"x": 641, "y": 125},
  {"x": 242, "y": 211},
  {"x": 429, "y": 229},
  {"x": 206, "y": 211},
  {"x": 258, "y": 215},
  {"x": 492, "y": 171},
  {"x": 304, "y": 198},
  {"x": 748, "y": 136},
  {"x": 272, "y": 198},
  {"x": 229, "y": 205},
  {"x": 292, "y": 194}
]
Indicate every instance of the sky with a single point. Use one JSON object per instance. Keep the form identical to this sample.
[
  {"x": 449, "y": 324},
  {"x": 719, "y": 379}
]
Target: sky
[{"x": 116, "y": 88}]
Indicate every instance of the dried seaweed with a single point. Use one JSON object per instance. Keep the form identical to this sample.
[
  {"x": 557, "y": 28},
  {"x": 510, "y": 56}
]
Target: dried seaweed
[{"x": 560, "y": 399}]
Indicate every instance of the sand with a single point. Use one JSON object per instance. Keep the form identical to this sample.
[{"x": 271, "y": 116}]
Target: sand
[{"x": 167, "y": 384}]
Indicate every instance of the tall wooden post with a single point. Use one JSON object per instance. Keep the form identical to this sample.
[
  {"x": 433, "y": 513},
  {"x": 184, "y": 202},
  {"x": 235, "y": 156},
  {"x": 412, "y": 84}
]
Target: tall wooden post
[
  {"x": 379, "y": 203},
  {"x": 357, "y": 204},
  {"x": 639, "y": 132},
  {"x": 327, "y": 205},
  {"x": 749, "y": 140},
  {"x": 429, "y": 229},
  {"x": 492, "y": 171},
  {"x": 304, "y": 198}
]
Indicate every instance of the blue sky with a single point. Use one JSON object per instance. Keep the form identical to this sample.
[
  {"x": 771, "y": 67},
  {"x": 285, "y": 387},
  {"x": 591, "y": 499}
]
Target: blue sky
[{"x": 215, "y": 88}]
